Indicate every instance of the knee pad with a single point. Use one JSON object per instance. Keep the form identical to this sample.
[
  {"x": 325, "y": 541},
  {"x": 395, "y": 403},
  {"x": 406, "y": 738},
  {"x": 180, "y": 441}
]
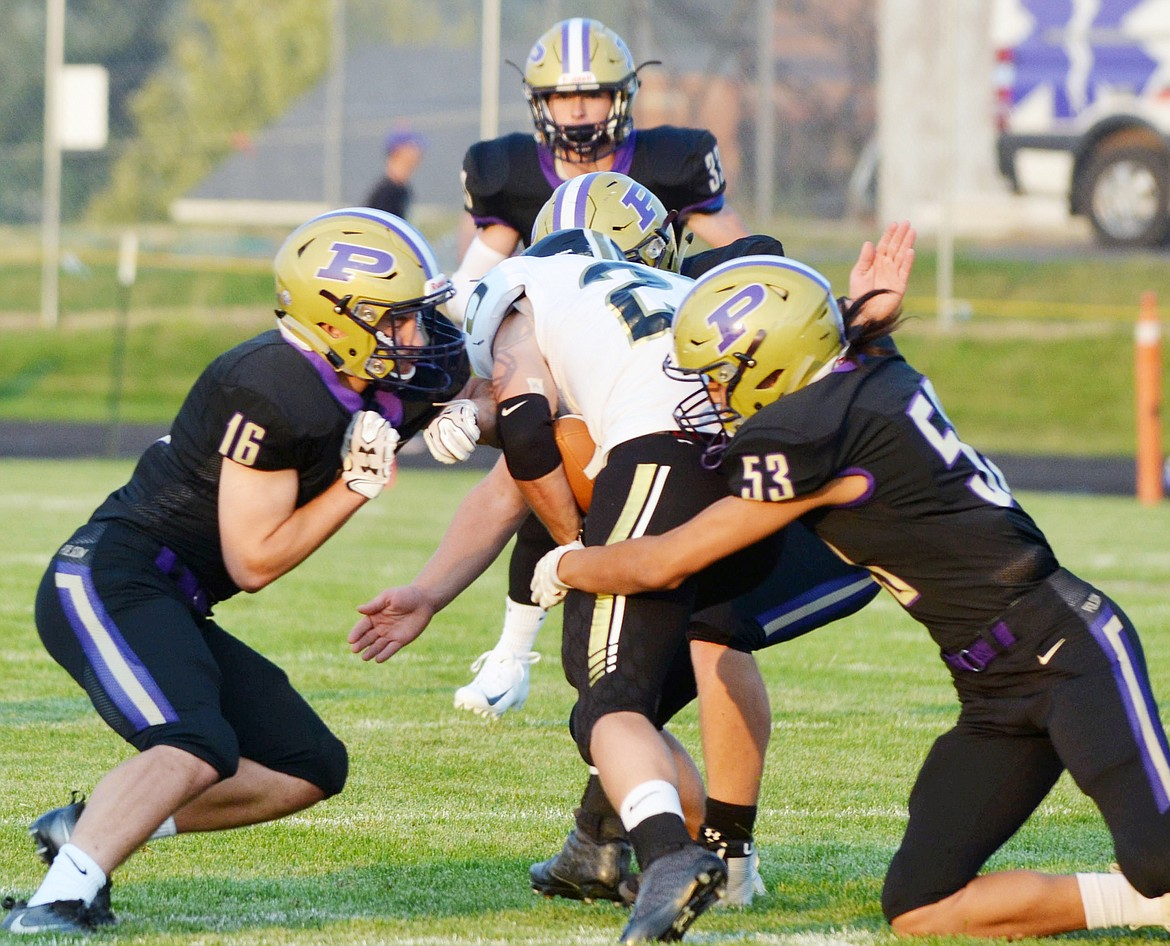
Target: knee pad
[
  {"x": 328, "y": 766},
  {"x": 1148, "y": 871}
]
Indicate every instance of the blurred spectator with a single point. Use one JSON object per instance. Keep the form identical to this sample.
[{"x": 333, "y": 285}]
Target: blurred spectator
[{"x": 404, "y": 151}]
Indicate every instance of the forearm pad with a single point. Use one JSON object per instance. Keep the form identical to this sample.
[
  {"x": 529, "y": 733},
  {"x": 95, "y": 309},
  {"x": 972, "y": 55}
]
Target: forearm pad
[{"x": 524, "y": 425}]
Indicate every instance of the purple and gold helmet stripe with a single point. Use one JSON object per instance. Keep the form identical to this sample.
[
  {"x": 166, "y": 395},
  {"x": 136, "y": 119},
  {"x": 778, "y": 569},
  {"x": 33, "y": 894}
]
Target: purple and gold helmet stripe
[
  {"x": 403, "y": 230},
  {"x": 575, "y": 43},
  {"x": 571, "y": 202}
]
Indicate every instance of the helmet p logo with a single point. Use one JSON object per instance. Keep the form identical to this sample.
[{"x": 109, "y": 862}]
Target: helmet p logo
[
  {"x": 727, "y": 320},
  {"x": 638, "y": 200},
  {"x": 351, "y": 258}
]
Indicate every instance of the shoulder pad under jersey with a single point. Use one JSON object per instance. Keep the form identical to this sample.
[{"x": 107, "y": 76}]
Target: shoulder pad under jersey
[
  {"x": 670, "y": 156},
  {"x": 495, "y": 166}
]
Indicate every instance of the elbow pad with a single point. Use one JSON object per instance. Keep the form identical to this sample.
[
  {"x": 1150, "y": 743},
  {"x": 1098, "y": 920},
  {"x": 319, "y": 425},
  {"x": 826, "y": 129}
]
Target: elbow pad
[
  {"x": 478, "y": 259},
  {"x": 524, "y": 425}
]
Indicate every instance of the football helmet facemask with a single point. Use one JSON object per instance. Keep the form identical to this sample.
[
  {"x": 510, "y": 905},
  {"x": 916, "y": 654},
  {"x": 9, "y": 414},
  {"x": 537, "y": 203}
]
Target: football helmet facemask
[
  {"x": 621, "y": 208},
  {"x": 760, "y": 327},
  {"x": 581, "y": 55},
  {"x": 349, "y": 283}
]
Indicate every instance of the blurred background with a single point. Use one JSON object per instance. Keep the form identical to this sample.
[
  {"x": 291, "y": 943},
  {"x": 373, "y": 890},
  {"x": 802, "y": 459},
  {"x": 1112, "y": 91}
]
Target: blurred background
[{"x": 154, "y": 153}]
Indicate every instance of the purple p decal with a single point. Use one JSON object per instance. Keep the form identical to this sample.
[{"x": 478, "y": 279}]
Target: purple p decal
[
  {"x": 728, "y": 318},
  {"x": 350, "y": 258}
]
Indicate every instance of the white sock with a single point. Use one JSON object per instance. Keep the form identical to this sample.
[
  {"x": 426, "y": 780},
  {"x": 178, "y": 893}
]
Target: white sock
[
  {"x": 522, "y": 623},
  {"x": 165, "y": 830},
  {"x": 654, "y": 797},
  {"x": 1110, "y": 900},
  {"x": 73, "y": 875}
]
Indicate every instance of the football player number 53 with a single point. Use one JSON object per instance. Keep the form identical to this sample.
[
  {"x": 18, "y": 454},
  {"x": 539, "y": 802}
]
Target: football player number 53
[{"x": 769, "y": 483}]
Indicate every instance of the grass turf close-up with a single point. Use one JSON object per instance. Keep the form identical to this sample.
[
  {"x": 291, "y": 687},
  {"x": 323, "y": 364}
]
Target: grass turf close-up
[{"x": 431, "y": 840}]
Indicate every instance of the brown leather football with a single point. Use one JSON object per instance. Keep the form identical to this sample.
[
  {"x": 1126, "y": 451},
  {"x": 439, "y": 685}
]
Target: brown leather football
[{"x": 577, "y": 449}]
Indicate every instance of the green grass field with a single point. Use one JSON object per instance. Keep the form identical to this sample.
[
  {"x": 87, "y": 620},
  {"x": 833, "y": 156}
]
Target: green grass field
[{"x": 431, "y": 840}]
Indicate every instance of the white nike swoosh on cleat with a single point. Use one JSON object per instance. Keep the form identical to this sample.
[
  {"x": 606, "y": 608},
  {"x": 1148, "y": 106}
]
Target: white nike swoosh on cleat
[
  {"x": 1051, "y": 652},
  {"x": 18, "y": 926}
]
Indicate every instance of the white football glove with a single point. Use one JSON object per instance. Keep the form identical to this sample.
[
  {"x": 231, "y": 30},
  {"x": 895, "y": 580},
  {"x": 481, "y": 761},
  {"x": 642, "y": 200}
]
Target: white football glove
[
  {"x": 547, "y": 589},
  {"x": 451, "y": 437},
  {"x": 367, "y": 453}
]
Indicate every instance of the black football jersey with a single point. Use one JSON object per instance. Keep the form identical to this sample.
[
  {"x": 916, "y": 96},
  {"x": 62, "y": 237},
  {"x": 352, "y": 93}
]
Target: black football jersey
[
  {"x": 507, "y": 180},
  {"x": 938, "y": 527},
  {"x": 265, "y": 404}
]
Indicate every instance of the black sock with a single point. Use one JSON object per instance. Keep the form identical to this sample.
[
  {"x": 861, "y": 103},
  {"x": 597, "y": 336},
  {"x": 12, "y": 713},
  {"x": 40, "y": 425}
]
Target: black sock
[
  {"x": 657, "y": 835},
  {"x": 728, "y": 828},
  {"x": 596, "y": 818}
]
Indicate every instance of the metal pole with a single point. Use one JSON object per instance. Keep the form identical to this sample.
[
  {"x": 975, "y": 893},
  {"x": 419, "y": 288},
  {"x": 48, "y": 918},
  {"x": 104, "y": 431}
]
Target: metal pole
[
  {"x": 127, "y": 272},
  {"x": 51, "y": 188},
  {"x": 335, "y": 109},
  {"x": 489, "y": 105},
  {"x": 766, "y": 116},
  {"x": 945, "y": 281}
]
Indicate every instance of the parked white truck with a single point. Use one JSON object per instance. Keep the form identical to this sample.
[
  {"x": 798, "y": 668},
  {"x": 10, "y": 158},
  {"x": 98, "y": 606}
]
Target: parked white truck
[{"x": 1083, "y": 109}]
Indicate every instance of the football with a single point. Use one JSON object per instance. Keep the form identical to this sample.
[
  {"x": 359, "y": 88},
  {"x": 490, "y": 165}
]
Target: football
[{"x": 577, "y": 449}]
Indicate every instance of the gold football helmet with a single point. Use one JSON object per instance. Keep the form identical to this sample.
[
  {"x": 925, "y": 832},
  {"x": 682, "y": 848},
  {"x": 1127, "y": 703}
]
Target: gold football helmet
[
  {"x": 581, "y": 55},
  {"x": 349, "y": 283},
  {"x": 621, "y": 208},
  {"x": 760, "y": 327}
]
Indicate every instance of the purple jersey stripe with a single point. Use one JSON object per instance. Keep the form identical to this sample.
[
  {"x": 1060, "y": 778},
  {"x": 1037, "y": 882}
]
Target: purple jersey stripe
[
  {"x": 123, "y": 677},
  {"x": 826, "y": 602},
  {"x": 1142, "y": 712}
]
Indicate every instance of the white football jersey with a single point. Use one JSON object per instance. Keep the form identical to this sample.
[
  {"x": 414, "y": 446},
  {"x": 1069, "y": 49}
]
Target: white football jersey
[{"x": 603, "y": 327}]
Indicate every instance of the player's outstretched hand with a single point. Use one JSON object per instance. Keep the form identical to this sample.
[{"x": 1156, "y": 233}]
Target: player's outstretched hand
[
  {"x": 452, "y": 435},
  {"x": 367, "y": 453},
  {"x": 884, "y": 266},
  {"x": 389, "y": 622},
  {"x": 547, "y": 589}
]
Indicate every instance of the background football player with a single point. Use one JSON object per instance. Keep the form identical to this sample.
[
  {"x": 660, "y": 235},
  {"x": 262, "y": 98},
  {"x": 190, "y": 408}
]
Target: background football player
[
  {"x": 279, "y": 442},
  {"x": 580, "y": 82},
  {"x": 1049, "y": 671}
]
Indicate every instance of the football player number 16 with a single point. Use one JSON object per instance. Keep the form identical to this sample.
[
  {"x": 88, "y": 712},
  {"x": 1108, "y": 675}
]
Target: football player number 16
[{"x": 241, "y": 440}]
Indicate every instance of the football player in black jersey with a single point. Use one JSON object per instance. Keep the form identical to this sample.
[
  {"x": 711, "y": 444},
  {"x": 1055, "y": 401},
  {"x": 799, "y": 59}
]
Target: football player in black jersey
[
  {"x": 580, "y": 82},
  {"x": 278, "y": 443},
  {"x": 833, "y": 425}
]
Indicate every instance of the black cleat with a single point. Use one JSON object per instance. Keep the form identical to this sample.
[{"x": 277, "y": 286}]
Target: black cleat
[
  {"x": 674, "y": 891},
  {"x": 584, "y": 870},
  {"x": 51, "y": 832},
  {"x": 60, "y": 916}
]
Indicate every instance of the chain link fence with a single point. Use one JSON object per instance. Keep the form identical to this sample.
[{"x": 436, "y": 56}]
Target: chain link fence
[{"x": 821, "y": 91}]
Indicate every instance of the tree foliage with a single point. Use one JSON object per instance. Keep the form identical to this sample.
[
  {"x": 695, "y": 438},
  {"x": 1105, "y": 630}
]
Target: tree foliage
[
  {"x": 125, "y": 36},
  {"x": 232, "y": 66}
]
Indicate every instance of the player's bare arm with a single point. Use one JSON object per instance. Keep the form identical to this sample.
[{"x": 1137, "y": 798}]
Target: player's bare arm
[
  {"x": 262, "y": 531},
  {"x": 522, "y": 383},
  {"x": 665, "y": 561},
  {"x": 487, "y": 518},
  {"x": 719, "y": 228}
]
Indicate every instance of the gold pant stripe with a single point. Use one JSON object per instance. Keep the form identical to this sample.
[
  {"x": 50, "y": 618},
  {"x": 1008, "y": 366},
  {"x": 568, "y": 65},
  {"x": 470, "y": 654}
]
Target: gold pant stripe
[{"x": 605, "y": 628}]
